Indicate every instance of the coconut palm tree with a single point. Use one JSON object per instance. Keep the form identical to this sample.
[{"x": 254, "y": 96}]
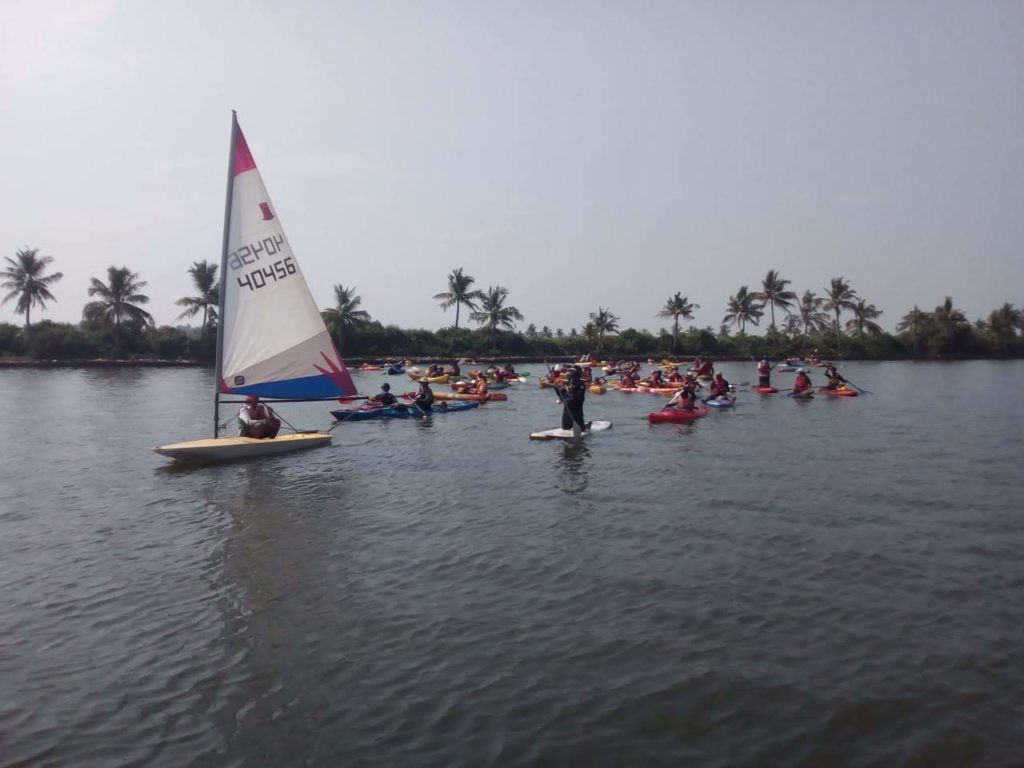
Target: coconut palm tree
[
  {"x": 493, "y": 313},
  {"x": 1002, "y": 324},
  {"x": 27, "y": 283},
  {"x": 604, "y": 322},
  {"x": 458, "y": 294},
  {"x": 204, "y": 279},
  {"x": 119, "y": 300},
  {"x": 344, "y": 314},
  {"x": 864, "y": 315},
  {"x": 917, "y": 323},
  {"x": 743, "y": 308},
  {"x": 949, "y": 320},
  {"x": 840, "y": 297},
  {"x": 809, "y": 313},
  {"x": 677, "y": 306},
  {"x": 773, "y": 293}
]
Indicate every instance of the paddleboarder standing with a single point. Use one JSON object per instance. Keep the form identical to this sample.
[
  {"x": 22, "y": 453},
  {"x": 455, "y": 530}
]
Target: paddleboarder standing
[{"x": 572, "y": 396}]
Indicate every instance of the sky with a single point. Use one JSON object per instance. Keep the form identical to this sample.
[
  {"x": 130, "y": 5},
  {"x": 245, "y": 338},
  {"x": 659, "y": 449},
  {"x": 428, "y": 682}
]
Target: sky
[{"x": 583, "y": 155}]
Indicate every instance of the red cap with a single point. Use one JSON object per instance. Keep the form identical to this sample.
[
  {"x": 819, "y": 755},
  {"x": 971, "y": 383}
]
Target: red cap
[{"x": 252, "y": 399}]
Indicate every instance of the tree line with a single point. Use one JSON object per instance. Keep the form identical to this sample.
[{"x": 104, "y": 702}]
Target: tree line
[{"x": 116, "y": 325}]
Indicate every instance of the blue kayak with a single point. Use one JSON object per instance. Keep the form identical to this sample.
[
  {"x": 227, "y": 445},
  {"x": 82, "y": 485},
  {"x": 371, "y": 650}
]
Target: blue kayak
[
  {"x": 399, "y": 412},
  {"x": 720, "y": 402}
]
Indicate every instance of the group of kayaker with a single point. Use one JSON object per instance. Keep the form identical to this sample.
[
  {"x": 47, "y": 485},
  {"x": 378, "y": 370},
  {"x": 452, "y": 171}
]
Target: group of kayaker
[{"x": 802, "y": 383}]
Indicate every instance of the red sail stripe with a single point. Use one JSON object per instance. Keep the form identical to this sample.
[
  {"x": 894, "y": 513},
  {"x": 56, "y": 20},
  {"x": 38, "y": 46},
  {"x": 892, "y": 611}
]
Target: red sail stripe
[{"x": 243, "y": 157}]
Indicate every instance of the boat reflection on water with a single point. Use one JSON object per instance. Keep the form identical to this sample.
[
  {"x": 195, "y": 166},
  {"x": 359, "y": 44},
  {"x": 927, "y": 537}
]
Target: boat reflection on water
[{"x": 574, "y": 474}]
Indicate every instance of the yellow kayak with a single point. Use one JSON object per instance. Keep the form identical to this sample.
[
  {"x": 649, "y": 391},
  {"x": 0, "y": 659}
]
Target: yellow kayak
[{"x": 417, "y": 376}]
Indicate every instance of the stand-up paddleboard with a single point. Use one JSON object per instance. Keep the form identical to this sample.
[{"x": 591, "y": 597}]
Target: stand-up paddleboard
[{"x": 567, "y": 434}]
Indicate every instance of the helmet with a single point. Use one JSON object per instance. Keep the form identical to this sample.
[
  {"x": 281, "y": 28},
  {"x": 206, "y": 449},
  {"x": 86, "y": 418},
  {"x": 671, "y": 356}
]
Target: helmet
[
  {"x": 385, "y": 386},
  {"x": 252, "y": 399}
]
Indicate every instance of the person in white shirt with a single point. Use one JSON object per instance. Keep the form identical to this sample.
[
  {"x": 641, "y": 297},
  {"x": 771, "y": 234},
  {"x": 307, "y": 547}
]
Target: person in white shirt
[{"x": 257, "y": 420}]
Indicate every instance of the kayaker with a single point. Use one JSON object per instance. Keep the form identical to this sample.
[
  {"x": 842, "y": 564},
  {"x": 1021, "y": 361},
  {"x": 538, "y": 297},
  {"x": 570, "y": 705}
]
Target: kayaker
[
  {"x": 764, "y": 372},
  {"x": 674, "y": 375},
  {"x": 684, "y": 399},
  {"x": 803, "y": 381},
  {"x": 425, "y": 397},
  {"x": 572, "y": 396},
  {"x": 706, "y": 369},
  {"x": 456, "y": 371},
  {"x": 719, "y": 387},
  {"x": 257, "y": 420},
  {"x": 384, "y": 397},
  {"x": 835, "y": 381}
]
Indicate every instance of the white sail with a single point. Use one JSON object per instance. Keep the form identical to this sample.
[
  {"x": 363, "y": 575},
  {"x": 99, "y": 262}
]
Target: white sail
[{"x": 274, "y": 341}]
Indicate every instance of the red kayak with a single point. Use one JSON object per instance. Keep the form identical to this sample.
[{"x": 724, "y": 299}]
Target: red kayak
[
  {"x": 675, "y": 415},
  {"x": 766, "y": 390},
  {"x": 839, "y": 392}
]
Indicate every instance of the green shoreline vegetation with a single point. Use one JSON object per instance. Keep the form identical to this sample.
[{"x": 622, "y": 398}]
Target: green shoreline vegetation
[{"x": 116, "y": 329}]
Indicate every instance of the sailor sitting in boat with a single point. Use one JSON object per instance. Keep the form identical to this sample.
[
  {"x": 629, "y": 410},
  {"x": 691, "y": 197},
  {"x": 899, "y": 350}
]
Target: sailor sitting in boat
[{"x": 257, "y": 420}]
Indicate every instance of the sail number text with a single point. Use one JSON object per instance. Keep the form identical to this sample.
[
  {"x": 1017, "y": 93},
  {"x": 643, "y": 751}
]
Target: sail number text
[
  {"x": 260, "y": 276},
  {"x": 250, "y": 254}
]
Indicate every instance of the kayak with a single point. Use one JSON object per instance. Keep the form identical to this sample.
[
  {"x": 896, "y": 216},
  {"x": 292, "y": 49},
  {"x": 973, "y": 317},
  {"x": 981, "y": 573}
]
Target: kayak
[
  {"x": 470, "y": 396},
  {"x": 838, "y": 392},
  {"x": 368, "y": 367},
  {"x": 807, "y": 394},
  {"x": 546, "y": 383},
  {"x": 648, "y": 390},
  {"x": 766, "y": 390},
  {"x": 364, "y": 412},
  {"x": 597, "y": 389},
  {"x": 675, "y": 415},
  {"x": 567, "y": 434},
  {"x": 418, "y": 376},
  {"x": 721, "y": 402}
]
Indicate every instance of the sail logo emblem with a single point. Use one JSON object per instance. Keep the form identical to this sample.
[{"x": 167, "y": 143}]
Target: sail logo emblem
[{"x": 266, "y": 212}]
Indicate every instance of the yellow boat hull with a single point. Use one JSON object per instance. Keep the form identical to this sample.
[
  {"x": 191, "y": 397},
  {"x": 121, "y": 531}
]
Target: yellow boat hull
[{"x": 218, "y": 449}]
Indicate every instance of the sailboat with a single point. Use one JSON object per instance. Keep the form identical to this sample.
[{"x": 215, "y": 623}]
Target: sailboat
[{"x": 271, "y": 339}]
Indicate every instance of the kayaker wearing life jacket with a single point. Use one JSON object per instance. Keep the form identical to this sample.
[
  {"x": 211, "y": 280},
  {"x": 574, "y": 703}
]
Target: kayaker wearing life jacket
[
  {"x": 835, "y": 381},
  {"x": 425, "y": 397},
  {"x": 803, "y": 381},
  {"x": 719, "y": 387},
  {"x": 674, "y": 375},
  {"x": 684, "y": 399},
  {"x": 706, "y": 369},
  {"x": 764, "y": 372}
]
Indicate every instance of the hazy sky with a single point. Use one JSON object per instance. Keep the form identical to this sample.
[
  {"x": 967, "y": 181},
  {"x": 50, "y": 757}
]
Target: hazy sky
[{"x": 581, "y": 154}]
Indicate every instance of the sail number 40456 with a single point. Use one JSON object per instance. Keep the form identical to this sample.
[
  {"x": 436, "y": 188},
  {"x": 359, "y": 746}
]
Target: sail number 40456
[{"x": 260, "y": 276}]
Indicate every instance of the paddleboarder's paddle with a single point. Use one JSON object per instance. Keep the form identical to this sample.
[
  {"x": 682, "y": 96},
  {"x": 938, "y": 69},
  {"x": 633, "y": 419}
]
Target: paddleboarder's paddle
[{"x": 847, "y": 381}]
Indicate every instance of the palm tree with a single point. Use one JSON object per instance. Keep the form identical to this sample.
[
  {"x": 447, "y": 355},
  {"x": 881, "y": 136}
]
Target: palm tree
[
  {"x": 809, "y": 313},
  {"x": 26, "y": 282},
  {"x": 604, "y": 322},
  {"x": 677, "y": 306},
  {"x": 916, "y": 322},
  {"x": 773, "y": 293},
  {"x": 344, "y": 314},
  {"x": 949, "y": 319},
  {"x": 1002, "y": 324},
  {"x": 119, "y": 300},
  {"x": 493, "y": 313},
  {"x": 864, "y": 315},
  {"x": 458, "y": 294},
  {"x": 743, "y": 308},
  {"x": 204, "y": 278},
  {"x": 840, "y": 297}
]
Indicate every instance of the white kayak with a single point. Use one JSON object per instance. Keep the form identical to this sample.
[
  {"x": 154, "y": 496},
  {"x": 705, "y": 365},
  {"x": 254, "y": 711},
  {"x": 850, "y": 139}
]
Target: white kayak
[
  {"x": 567, "y": 434},
  {"x": 235, "y": 448}
]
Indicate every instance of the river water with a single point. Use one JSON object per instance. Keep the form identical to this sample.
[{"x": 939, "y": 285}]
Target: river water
[{"x": 837, "y": 582}]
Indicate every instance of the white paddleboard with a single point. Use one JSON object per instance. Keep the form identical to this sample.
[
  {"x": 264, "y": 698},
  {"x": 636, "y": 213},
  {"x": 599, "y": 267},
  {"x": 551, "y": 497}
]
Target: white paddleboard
[{"x": 567, "y": 434}]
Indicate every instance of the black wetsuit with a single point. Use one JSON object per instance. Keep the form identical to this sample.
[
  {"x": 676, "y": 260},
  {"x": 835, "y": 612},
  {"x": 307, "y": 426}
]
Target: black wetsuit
[{"x": 573, "y": 394}]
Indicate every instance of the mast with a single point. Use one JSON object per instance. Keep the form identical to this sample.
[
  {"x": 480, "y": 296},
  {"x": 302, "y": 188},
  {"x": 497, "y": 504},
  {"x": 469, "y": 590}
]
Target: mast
[{"x": 223, "y": 274}]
